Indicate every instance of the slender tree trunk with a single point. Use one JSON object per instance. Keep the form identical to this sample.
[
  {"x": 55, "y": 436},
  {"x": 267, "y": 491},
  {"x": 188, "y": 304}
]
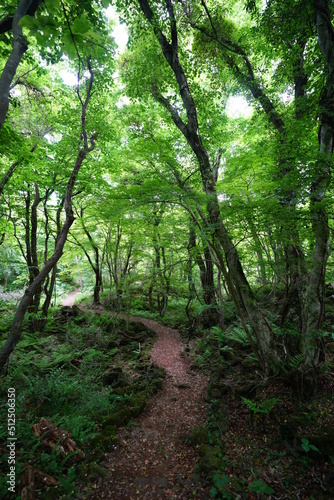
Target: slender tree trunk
[
  {"x": 80, "y": 277},
  {"x": 33, "y": 245},
  {"x": 16, "y": 328},
  {"x": 20, "y": 46},
  {"x": 220, "y": 301}
]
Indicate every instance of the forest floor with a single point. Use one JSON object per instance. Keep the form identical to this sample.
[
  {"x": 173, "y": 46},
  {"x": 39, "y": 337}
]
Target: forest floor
[
  {"x": 151, "y": 459},
  {"x": 212, "y": 428}
]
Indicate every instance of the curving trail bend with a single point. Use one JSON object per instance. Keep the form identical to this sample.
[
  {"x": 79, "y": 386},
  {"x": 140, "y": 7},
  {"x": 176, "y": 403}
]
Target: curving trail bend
[{"x": 151, "y": 460}]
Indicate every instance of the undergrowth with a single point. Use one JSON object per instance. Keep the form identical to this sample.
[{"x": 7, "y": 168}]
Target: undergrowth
[{"x": 60, "y": 374}]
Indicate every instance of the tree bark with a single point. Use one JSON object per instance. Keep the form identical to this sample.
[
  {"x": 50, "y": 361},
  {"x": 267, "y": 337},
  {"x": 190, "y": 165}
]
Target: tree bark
[{"x": 20, "y": 46}]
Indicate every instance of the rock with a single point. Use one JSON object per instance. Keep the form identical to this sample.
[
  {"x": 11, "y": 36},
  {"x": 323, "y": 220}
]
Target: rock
[
  {"x": 156, "y": 384},
  {"x": 117, "y": 419},
  {"x": 198, "y": 436},
  {"x": 136, "y": 403},
  {"x": 182, "y": 386},
  {"x": 103, "y": 442},
  {"x": 210, "y": 462},
  {"x": 96, "y": 455}
]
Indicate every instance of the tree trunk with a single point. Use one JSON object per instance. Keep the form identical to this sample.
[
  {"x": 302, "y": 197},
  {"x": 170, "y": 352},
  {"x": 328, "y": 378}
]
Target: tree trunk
[
  {"x": 312, "y": 343},
  {"x": 20, "y": 46},
  {"x": 15, "y": 331},
  {"x": 219, "y": 234}
]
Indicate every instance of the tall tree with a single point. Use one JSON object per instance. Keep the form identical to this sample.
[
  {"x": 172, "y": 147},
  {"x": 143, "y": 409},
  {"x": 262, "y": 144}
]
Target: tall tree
[{"x": 88, "y": 144}]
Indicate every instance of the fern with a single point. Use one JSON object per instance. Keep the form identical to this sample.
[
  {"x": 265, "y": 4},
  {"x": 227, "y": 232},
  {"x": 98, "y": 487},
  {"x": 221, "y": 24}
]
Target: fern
[
  {"x": 235, "y": 333},
  {"x": 295, "y": 362},
  {"x": 262, "y": 407},
  {"x": 218, "y": 333}
]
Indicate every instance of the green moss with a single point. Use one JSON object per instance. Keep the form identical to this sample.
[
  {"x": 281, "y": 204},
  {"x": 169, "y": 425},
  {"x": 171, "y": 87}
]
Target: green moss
[
  {"x": 89, "y": 471},
  {"x": 198, "y": 436},
  {"x": 101, "y": 441},
  {"x": 96, "y": 455},
  {"x": 156, "y": 384},
  {"x": 118, "y": 418},
  {"x": 136, "y": 403},
  {"x": 210, "y": 462}
]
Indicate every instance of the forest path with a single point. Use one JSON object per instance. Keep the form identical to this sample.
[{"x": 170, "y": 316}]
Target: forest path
[
  {"x": 151, "y": 460},
  {"x": 69, "y": 300}
]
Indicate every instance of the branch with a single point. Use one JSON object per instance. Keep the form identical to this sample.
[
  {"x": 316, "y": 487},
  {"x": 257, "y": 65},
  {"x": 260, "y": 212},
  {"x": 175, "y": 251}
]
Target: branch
[
  {"x": 170, "y": 52},
  {"x": 172, "y": 110},
  {"x": 248, "y": 79}
]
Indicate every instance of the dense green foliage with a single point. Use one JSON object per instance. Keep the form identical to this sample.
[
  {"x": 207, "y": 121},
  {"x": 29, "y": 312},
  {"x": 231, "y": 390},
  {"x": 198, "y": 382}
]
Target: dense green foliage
[{"x": 132, "y": 176}]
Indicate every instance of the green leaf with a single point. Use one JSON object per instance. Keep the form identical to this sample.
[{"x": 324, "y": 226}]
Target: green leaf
[
  {"x": 29, "y": 22},
  {"x": 80, "y": 26},
  {"x": 52, "y": 6},
  {"x": 69, "y": 47},
  {"x": 213, "y": 492},
  {"x": 307, "y": 446},
  {"x": 259, "y": 487}
]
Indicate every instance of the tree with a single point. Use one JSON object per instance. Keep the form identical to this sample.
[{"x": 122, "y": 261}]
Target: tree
[
  {"x": 35, "y": 285},
  {"x": 175, "y": 87}
]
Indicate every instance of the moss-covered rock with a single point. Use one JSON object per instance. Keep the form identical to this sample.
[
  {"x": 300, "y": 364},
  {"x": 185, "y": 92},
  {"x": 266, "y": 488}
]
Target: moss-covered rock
[
  {"x": 118, "y": 418},
  {"x": 156, "y": 384},
  {"x": 89, "y": 471},
  {"x": 198, "y": 436},
  {"x": 103, "y": 442},
  {"x": 96, "y": 455},
  {"x": 207, "y": 449},
  {"x": 136, "y": 403},
  {"x": 211, "y": 461}
]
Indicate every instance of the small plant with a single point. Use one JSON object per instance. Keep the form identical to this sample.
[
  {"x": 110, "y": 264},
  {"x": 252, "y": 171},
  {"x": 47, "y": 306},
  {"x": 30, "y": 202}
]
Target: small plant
[
  {"x": 307, "y": 446},
  {"x": 257, "y": 486},
  {"x": 264, "y": 407},
  {"x": 220, "y": 481}
]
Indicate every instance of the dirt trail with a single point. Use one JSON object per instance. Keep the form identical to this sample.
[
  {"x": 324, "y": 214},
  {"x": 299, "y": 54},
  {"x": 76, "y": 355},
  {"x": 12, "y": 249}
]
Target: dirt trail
[
  {"x": 69, "y": 300},
  {"x": 151, "y": 460}
]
